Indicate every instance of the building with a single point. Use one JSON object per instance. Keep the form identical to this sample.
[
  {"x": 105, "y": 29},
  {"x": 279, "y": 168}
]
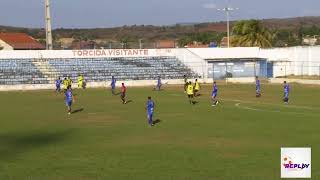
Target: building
[
  {"x": 311, "y": 41},
  {"x": 196, "y": 44},
  {"x": 19, "y": 41},
  {"x": 165, "y": 44},
  {"x": 83, "y": 45},
  {"x": 224, "y": 42}
]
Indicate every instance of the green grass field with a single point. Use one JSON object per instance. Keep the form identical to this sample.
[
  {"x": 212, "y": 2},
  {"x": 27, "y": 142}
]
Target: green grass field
[{"x": 239, "y": 139}]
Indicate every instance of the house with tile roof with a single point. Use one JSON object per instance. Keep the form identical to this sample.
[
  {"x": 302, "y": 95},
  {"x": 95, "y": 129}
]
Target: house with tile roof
[{"x": 19, "y": 41}]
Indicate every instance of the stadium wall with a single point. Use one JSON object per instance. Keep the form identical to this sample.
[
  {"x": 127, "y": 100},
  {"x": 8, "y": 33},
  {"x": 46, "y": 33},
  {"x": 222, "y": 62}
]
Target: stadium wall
[
  {"x": 151, "y": 83},
  {"x": 286, "y": 61},
  {"x": 296, "y": 61},
  {"x": 299, "y": 81},
  {"x": 106, "y": 84},
  {"x": 94, "y": 53},
  {"x": 193, "y": 61}
]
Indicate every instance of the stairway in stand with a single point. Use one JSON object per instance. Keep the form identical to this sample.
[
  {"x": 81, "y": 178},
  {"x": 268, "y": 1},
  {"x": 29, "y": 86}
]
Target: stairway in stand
[{"x": 46, "y": 69}]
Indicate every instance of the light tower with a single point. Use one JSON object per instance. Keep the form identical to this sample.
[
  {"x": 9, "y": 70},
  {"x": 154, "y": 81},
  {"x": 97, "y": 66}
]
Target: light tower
[
  {"x": 48, "y": 25},
  {"x": 227, "y": 10}
]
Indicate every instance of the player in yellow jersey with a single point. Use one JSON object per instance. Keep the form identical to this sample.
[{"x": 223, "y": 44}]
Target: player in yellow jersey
[
  {"x": 190, "y": 92},
  {"x": 196, "y": 88},
  {"x": 185, "y": 83},
  {"x": 80, "y": 81},
  {"x": 70, "y": 82},
  {"x": 65, "y": 84}
]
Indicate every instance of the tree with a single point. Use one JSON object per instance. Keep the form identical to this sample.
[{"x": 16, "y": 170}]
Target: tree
[
  {"x": 124, "y": 43},
  {"x": 285, "y": 37},
  {"x": 202, "y": 37},
  {"x": 251, "y": 33}
]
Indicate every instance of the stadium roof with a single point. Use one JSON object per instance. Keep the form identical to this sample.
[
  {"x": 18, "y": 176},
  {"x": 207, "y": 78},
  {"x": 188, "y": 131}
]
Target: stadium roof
[{"x": 21, "y": 41}]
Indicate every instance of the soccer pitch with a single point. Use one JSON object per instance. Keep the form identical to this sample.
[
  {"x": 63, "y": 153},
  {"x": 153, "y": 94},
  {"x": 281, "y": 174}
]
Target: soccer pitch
[{"x": 239, "y": 139}]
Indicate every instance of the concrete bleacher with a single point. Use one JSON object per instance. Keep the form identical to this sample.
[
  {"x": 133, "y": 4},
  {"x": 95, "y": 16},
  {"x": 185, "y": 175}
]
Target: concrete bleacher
[
  {"x": 33, "y": 71},
  {"x": 101, "y": 69},
  {"x": 20, "y": 71}
]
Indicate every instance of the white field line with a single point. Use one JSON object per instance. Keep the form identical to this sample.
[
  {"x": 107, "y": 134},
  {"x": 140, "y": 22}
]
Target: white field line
[
  {"x": 254, "y": 109},
  {"x": 264, "y": 110},
  {"x": 284, "y": 105},
  {"x": 253, "y": 102}
]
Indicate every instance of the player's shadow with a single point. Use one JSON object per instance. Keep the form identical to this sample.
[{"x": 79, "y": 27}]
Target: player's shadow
[
  {"x": 129, "y": 101},
  {"x": 77, "y": 110},
  {"x": 157, "y": 89},
  {"x": 194, "y": 102},
  {"x": 157, "y": 121}
]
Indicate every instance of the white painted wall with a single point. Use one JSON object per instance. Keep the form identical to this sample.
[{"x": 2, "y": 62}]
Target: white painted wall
[
  {"x": 5, "y": 45},
  {"x": 294, "y": 60},
  {"x": 102, "y": 53},
  {"x": 227, "y": 53},
  {"x": 299, "y": 81},
  {"x": 193, "y": 61},
  {"x": 106, "y": 84}
]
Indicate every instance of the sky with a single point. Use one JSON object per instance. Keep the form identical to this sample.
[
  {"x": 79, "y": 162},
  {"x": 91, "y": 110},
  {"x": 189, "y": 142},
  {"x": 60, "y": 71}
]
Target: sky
[{"x": 113, "y": 13}]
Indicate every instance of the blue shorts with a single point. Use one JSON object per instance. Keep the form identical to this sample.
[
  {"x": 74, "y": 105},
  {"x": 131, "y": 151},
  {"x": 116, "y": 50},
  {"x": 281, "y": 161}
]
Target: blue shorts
[
  {"x": 214, "y": 94},
  {"x": 286, "y": 95},
  {"x": 150, "y": 115},
  {"x": 69, "y": 103}
]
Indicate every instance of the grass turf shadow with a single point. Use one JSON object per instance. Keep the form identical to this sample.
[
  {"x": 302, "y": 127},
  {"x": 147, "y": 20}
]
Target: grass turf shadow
[{"x": 16, "y": 143}]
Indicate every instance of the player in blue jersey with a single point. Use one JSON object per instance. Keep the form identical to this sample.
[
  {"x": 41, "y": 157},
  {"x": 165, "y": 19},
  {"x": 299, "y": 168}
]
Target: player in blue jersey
[
  {"x": 159, "y": 84},
  {"x": 258, "y": 87},
  {"x": 69, "y": 98},
  {"x": 113, "y": 85},
  {"x": 58, "y": 85},
  {"x": 286, "y": 89},
  {"x": 150, "y": 109},
  {"x": 214, "y": 94}
]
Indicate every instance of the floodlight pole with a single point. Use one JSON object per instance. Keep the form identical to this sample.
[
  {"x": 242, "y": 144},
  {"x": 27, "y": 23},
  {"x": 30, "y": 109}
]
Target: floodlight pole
[
  {"x": 228, "y": 27},
  {"x": 140, "y": 43},
  {"x": 48, "y": 26},
  {"x": 227, "y": 10}
]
